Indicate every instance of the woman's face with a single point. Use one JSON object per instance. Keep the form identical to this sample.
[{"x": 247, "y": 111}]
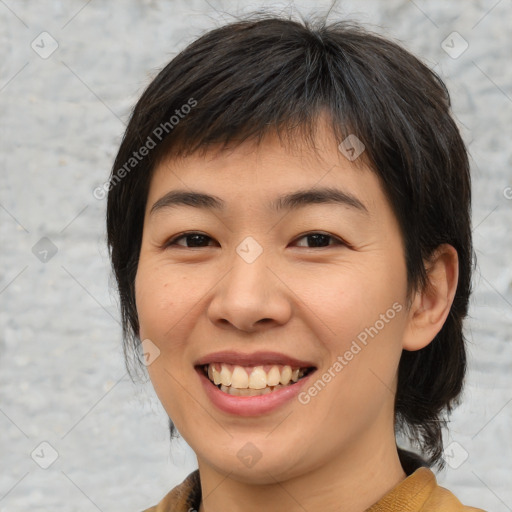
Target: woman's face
[{"x": 303, "y": 282}]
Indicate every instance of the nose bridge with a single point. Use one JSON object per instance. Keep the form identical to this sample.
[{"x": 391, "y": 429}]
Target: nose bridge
[
  {"x": 247, "y": 284},
  {"x": 249, "y": 293}
]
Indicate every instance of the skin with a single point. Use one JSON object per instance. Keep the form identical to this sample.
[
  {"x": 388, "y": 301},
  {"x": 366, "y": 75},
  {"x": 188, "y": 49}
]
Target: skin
[{"x": 338, "y": 451}]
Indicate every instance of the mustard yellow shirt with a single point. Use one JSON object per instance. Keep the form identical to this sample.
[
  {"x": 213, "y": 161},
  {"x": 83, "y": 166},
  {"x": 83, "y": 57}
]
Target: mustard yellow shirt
[{"x": 419, "y": 492}]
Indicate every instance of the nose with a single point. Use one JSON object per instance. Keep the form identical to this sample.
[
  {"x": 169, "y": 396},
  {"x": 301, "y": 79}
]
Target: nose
[{"x": 251, "y": 297}]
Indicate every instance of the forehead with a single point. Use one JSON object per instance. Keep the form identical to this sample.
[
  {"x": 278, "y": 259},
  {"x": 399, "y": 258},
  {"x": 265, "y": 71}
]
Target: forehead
[{"x": 274, "y": 174}]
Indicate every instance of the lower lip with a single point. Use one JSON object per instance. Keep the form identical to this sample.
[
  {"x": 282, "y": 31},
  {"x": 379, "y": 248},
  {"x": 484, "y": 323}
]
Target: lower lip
[{"x": 250, "y": 405}]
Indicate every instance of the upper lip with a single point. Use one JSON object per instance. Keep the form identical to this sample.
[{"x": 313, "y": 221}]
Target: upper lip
[{"x": 254, "y": 359}]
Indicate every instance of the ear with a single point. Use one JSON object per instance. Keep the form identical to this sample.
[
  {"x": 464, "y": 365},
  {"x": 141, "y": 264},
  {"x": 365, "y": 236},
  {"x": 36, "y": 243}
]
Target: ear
[{"x": 430, "y": 307}]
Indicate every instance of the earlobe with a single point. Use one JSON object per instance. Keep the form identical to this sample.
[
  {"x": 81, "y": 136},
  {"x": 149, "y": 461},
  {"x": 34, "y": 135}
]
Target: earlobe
[{"x": 431, "y": 306}]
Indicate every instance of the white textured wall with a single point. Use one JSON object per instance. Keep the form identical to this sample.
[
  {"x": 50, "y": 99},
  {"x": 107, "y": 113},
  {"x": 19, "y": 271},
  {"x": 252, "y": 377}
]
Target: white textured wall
[{"x": 62, "y": 378}]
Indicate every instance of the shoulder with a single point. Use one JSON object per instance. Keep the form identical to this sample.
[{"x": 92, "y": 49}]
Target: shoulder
[
  {"x": 442, "y": 499},
  {"x": 421, "y": 487},
  {"x": 419, "y": 492},
  {"x": 438, "y": 498}
]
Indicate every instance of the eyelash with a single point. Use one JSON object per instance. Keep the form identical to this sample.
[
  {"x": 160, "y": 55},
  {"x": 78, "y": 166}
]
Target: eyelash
[{"x": 172, "y": 241}]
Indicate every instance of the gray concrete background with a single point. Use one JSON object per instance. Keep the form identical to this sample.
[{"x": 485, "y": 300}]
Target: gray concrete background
[{"x": 62, "y": 379}]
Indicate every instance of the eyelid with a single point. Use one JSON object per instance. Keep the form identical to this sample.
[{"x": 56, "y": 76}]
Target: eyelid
[
  {"x": 337, "y": 239},
  {"x": 172, "y": 241}
]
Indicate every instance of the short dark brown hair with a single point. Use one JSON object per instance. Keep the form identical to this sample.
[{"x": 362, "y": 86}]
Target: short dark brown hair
[{"x": 266, "y": 73}]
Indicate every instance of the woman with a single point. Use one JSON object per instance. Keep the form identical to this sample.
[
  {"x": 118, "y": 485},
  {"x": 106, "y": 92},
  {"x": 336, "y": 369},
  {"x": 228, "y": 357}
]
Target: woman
[{"x": 289, "y": 226}]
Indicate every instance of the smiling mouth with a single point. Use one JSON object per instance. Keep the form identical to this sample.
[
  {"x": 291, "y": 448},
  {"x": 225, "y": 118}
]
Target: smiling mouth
[{"x": 253, "y": 380}]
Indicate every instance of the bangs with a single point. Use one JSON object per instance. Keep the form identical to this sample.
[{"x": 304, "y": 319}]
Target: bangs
[{"x": 274, "y": 79}]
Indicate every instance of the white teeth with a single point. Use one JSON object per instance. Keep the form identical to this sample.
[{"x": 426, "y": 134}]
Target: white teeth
[
  {"x": 258, "y": 378},
  {"x": 216, "y": 375},
  {"x": 273, "y": 376},
  {"x": 248, "y": 392},
  {"x": 237, "y": 377},
  {"x": 225, "y": 376},
  {"x": 286, "y": 375}
]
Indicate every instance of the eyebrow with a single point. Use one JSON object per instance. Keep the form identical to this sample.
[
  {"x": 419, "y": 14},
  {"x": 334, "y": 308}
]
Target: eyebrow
[{"x": 291, "y": 201}]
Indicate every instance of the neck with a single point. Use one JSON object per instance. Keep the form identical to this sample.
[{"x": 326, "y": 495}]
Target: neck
[{"x": 352, "y": 481}]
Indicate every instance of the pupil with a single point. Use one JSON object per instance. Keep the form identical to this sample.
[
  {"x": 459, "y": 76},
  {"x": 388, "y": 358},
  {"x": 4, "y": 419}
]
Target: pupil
[
  {"x": 316, "y": 240},
  {"x": 198, "y": 237}
]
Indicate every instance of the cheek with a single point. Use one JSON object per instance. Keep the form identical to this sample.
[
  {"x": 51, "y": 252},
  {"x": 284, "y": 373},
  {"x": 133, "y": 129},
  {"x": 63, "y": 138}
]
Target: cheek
[
  {"x": 157, "y": 296},
  {"x": 161, "y": 299},
  {"x": 350, "y": 300},
  {"x": 360, "y": 318},
  {"x": 152, "y": 302}
]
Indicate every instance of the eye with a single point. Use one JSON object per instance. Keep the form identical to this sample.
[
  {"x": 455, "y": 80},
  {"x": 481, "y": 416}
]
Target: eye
[
  {"x": 193, "y": 239},
  {"x": 318, "y": 239}
]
